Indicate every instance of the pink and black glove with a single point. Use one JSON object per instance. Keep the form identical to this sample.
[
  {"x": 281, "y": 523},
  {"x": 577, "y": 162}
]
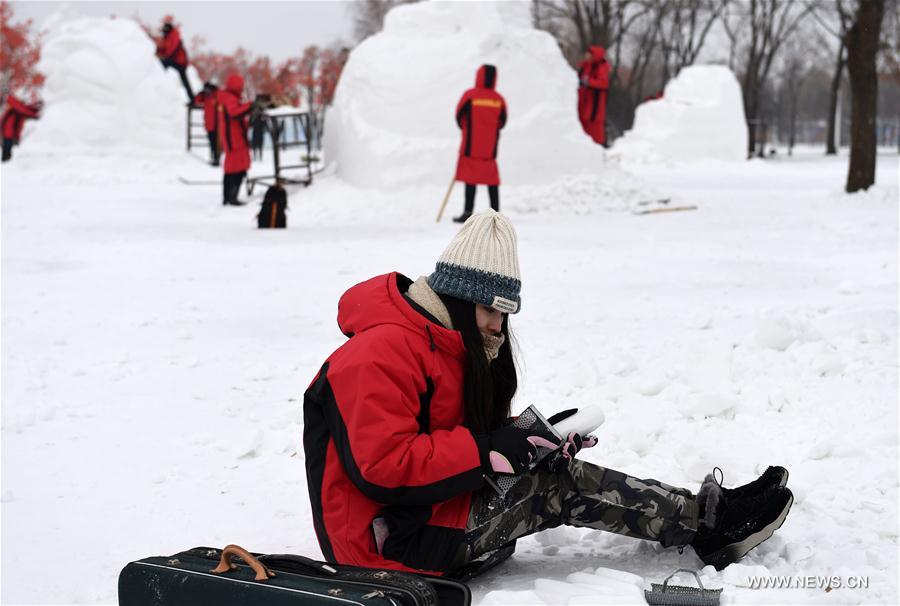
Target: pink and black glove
[
  {"x": 510, "y": 450},
  {"x": 572, "y": 443}
]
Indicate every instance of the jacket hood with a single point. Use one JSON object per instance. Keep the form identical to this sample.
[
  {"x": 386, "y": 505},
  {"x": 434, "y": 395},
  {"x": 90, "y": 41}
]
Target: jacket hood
[
  {"x": 235, "y": 83},
  {"x": 486, "y": 76},
  {"x": 598, "y": 53},
  {"x": 380, "y": 301}
]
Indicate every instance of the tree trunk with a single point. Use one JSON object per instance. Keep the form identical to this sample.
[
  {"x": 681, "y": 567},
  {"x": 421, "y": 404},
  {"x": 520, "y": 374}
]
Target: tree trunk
[
  {"x": 792, "y": 136},
  {"x": 862, "y": 47},
  {"x": 750, "y": 115},
  {"x": 830, "y": 147},
  {"x": 763, "y": 131}
]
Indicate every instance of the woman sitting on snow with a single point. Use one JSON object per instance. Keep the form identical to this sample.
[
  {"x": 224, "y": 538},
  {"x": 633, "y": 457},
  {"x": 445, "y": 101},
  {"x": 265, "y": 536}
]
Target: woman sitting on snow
[{"x": 407, "y": 425}]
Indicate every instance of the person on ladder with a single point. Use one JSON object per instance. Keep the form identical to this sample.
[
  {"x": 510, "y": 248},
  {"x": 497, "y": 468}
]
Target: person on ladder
[
  {"x": 480, "y": 114},
  {"x": 171, "y": 53}
]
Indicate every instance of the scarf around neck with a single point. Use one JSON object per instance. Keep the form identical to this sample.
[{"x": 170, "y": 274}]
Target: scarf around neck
[{"x": 427, "y": 299}]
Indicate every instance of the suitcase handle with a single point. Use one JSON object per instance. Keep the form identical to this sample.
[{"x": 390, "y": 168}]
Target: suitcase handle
[
  {"x": 225, "y": 565},
  {"x": 320, "y": 567}
]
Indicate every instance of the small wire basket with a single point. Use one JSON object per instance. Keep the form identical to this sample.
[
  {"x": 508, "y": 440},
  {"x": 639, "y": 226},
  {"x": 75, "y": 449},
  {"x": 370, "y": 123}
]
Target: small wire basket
[{"x": 680, "y": 595}]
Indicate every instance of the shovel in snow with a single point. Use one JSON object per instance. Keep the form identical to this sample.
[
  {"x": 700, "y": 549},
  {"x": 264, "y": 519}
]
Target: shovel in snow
[
  {"x": 680, "y": 595},
  {"x": 446, "y": 197}
]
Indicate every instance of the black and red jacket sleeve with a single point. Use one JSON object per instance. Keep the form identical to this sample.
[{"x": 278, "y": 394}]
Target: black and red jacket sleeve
[
  {"x": 170, "y": 45},
  {"x": 371, "y": 401},
  {"x": 235, "y": 109},
  {"x": 464, "y": 109}
]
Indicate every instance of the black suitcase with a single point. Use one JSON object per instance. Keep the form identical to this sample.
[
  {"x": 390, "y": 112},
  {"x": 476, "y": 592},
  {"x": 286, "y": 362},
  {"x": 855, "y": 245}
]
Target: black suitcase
[{"x": 233, "y": 576}]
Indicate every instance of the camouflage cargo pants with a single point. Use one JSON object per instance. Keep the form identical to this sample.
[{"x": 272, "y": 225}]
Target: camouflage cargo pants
[{"x": 584, "y": 495}]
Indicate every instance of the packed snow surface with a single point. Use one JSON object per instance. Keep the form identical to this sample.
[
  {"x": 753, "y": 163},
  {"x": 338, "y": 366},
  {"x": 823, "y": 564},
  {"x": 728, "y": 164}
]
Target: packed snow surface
[
  {"x": 156, "y": 347},
  {"x": 393, "y": 121},
  {"x": 106, "y": 89},
  {"x": 699, "y": 117}
]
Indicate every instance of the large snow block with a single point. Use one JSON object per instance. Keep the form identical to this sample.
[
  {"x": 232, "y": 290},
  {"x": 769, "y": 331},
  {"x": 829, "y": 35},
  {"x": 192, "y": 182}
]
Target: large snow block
[
  {"x": 393, "y": 119},
  {"x": 699, "y": 117},
  {"x": 105, "y": 88}
]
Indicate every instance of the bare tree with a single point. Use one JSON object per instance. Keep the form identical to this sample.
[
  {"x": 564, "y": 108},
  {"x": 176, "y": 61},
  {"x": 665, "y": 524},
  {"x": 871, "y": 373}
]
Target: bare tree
[
  {"x": 835, "y": 20},
  {"x": 890, "y": 49},
  {"x": 862, "y": 42},
  {"x": 890, "y": 60},
  {"x": 757, "y": 30},
  {"x": 794, "y": 72},
  {"x": 683, "y": 31},
  {"x": 368, "y": 15}
]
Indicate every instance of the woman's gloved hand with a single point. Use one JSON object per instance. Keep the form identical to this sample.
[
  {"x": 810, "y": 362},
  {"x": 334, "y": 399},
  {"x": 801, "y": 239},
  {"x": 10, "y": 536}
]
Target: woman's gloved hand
[
  {"x": 573, "y": 442},
  {"x": 511, "y": 450}
]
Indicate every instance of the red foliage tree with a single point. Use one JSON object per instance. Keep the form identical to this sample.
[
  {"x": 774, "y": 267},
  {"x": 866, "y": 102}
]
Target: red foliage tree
[
  {"x": 331, "y": 64},
  {"x": 310, "y": 79},
  {"x": 212, "y": 65},
  {"x": 20, "y": 52}
]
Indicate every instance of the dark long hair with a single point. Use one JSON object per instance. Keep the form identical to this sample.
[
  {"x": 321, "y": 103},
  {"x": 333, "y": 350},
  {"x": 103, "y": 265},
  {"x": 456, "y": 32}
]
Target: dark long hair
[{"x": 488, "y": 389}]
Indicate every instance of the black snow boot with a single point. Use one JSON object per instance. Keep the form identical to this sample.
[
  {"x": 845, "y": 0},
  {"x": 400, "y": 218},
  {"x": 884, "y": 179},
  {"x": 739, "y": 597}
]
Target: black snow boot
[
  {"x": 731, "y": 527},
  {"x": 771, "y": 477},
  {"x": 462, "y": 218}
]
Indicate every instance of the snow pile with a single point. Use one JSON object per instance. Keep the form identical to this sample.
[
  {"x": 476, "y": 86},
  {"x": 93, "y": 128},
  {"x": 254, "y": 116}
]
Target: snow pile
[
  {"x": 105, "y": 87},
  {"x": 700, "y": 117},
  {"x": 612, "y": 190},
  {"x": 393, "y": 118},
  {"x": 589, "y": 587}
]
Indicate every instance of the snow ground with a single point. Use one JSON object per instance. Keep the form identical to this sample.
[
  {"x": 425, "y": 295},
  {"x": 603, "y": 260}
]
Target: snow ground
[{"x": 156, "y": 347}]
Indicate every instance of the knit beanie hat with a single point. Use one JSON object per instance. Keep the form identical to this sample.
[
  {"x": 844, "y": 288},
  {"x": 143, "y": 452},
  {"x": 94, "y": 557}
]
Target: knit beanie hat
[{"x": 481, "y": 264}]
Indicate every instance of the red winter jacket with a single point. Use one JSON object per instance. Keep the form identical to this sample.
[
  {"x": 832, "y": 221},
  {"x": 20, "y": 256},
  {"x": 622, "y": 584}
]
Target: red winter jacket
[
  {"x": 593, "y": 76},
  {"x": 14, "y": 117},
  {"x": 208, "y": 101},
  {"x": 480, "y": 113},
  {"x": 233, "y": 126},
  {"x": 170, "y": 48},
  {"x": 383, "y": 435}
]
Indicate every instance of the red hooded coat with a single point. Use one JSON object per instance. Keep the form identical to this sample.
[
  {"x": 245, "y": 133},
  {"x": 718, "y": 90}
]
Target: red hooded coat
[
  {"x": 593, "y": 76},
  {"x": 233, "y": 126},
  {"x": 171, "y": 48},
  {"x": 383, "y": 435},
  {"x": 480, "y": 113},
  {"x": 14, "y": 117}
]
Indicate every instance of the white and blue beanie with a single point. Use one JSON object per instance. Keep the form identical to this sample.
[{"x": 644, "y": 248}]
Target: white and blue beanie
[{"x": 481, "y": 264}]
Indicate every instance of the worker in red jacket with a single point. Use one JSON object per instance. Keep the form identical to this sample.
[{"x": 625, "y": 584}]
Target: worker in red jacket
[
  {"x": 480, "y": 113},
  {"x": 233, "y": 113},
  {"x": 593, "y": 85},
  {"x": 171, "y": 53},
  {"x": 14, "y": 120},
  {"x": 208, "y": 100}
]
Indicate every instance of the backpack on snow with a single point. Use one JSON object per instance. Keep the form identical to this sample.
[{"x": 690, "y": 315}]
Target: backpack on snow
[{"x": 272, "y": 213}]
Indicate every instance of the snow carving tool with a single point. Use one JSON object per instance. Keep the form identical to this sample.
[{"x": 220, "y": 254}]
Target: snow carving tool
[
  {"x": 187, "y": 181},
  {"x": 663, "y": 209},
  {"x": 681, "y": 595},
  {"x": 653, "y": 202},
  {"x": 446, "y": 197}
]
